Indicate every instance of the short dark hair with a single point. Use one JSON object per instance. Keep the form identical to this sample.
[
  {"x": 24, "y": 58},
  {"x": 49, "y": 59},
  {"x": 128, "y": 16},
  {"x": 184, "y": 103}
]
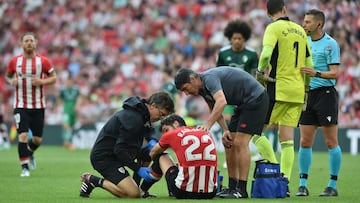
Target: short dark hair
[
  {"x": 162, "y": 100},
  {"x": 237, "y": 26},
  {"x": 274, "y": 6},
  {"x": 318, "y": 15},
  {"x": 168, "y": 71},
  {"x": 170, "y": 121},
  {"x": 28, "y": 33},
  {"x": 183, "y": 76}
]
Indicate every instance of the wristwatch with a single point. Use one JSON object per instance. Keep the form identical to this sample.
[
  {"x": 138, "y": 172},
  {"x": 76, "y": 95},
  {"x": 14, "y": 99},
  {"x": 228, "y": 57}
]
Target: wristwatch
[{"x": 318, "y": 74}]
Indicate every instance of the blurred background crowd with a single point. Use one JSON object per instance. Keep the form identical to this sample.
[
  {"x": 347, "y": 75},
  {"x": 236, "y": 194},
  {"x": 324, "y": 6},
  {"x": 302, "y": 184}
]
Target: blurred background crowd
[{"x": 116, "y": 48}]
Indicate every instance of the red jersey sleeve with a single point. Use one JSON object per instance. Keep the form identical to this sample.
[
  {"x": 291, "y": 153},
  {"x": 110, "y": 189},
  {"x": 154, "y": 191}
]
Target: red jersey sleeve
[
  {"x": 46, "y": 65},
  {"x": 11, "y": 69},
  {"x": 165, "y": 139}
]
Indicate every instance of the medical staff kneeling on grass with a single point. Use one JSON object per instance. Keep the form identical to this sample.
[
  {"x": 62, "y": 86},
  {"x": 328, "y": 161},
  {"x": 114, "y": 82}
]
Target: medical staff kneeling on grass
[{"x": 120, "y": 141}]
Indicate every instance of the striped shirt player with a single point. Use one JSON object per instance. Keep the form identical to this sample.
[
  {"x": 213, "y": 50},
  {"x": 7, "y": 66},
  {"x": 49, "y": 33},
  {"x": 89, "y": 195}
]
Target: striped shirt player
[
  {"x": 28, "y": 73},
  {"x": 28, "y": 96},
  {"x": 196, "y": 154}
]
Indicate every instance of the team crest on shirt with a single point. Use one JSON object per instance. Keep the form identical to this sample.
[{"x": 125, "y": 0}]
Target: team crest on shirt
[
  {"x": 228, "y": 58},
  {"x": 121, "y": 170},
  {"x": 245, "y": 58},
  {"x": 329, "y": 50}
]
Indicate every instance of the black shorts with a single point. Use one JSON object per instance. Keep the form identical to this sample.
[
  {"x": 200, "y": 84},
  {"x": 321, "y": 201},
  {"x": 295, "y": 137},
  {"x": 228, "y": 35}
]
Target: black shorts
[
  {"x": 170, "y": 177},
  {"x": 250, "y": 118},
  {"x": 33, "y": 119},
  {"x": 110, "y": 169},
  {"x": 322, "y": 107}
]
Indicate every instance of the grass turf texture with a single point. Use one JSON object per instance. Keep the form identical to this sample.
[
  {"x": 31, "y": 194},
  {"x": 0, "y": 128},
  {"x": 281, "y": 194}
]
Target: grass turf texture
[{"x": 57, "y": 179}]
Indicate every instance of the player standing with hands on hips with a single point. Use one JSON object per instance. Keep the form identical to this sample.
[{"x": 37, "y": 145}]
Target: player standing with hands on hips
[
  {"x": 322, "y": 104},
  {"x": 28, "y": 73}
]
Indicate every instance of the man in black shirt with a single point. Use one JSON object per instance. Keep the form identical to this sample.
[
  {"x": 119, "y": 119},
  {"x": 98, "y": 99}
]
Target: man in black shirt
[{"x": 119, "y": 143}]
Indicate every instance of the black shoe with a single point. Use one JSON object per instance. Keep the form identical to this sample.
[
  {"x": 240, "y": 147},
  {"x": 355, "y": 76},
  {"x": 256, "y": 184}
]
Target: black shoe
[
  {"x": 302, "y": 191},
  {"x": 234, "y": 194},
  {"x": 86, "y": 186},
  {"x": 329, "y": 191},
  {"x": 223, "y": 191},
  {"x": 148, "y": 195}
]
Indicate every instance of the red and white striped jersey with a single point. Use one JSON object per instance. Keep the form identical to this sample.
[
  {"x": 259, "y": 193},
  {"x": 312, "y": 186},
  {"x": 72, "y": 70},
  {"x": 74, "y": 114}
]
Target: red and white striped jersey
[
  {"x": 26, "y": 95},
  {"x": 196, "y": 153}
]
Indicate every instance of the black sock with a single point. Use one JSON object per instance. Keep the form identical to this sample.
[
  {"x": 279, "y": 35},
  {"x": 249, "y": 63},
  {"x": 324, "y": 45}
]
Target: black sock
[
  {"x": 242, "y": 185},
  {"x": 137, "y": 179},
  {"x": 97, "y": 181},
  {"x": 32, "y": 147},
  {"x": 232, "y": 183},
  {"x": 155, "y": 166},
  {"x": 156, "y": 172},
  {"x": 23, "y": 155},
  {"x": 145, "y": 186}
]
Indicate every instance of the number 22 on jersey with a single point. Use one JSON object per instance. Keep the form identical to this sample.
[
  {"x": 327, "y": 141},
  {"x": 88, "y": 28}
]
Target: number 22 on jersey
[{"x": 196, "y": 144}]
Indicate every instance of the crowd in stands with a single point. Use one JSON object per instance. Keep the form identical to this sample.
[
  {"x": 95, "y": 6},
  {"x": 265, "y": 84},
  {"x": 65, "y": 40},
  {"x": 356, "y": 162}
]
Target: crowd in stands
[{"x": 117, "y": 48}]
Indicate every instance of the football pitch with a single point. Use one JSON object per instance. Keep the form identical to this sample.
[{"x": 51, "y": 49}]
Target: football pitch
[{"x": 57, "y": 179}]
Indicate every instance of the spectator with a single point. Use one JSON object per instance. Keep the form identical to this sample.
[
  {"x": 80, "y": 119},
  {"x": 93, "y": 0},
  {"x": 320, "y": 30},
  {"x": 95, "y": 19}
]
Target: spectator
[{"x": 74, "y": 31}]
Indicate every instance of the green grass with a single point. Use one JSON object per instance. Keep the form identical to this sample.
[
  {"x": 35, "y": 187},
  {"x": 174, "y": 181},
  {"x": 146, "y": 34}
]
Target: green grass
[{"x": 57, "y": 179}]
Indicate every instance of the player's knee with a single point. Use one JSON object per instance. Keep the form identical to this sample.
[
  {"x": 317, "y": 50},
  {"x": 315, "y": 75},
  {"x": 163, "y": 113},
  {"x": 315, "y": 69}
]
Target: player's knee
[
  {"x": 331, "y": 144},
  {"x": 305, "y": 142},
  {"x": 37, "y": 140},
  {"x": 23, "y": 137}
]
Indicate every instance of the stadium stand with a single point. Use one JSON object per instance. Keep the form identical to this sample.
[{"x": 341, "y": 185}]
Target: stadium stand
[{"x": 116, "y": 48}]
